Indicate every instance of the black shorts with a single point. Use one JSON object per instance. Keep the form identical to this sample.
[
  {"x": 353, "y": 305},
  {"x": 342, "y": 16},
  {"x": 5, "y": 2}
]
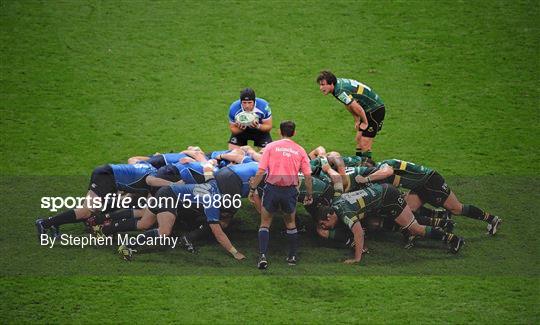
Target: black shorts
[
  {"x": 279, "y": 198},
  {"x": 157, "y": 161},
  {"x": 102, "y": 181},
  {"x": 185, "y": 216},
  {"x": 169, "y": 173},
  {"x": 392, "y": 202},
  {"x": 229, "y": 184},
  {"x": 435, "y": 191},
  {"x": 260, "y": 139},
  {"x": 375, "y": 122},
  {"x": 163, "y": 196}
]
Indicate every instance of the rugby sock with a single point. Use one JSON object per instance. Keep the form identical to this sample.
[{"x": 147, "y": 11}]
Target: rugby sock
[
  {"x": 100, "y": 217},
  {"x": 444, "y": 214},
  {"x": 438, "y": 222},
  {"x": 149, "y": 233},
  {"x": 422, "y": 219},
  {"x": 120, "y": 226},
  {"x": 292, "y": 239},
  {"x": 61, "y": 218},
  {"x": 264, "y": 237},
  {"x": 432, "y": 213},
  {"x": 435, "y": 233},
  {"x": 425, "y": 212},
  {"x": 473, "y": 212},
  {"x": 120, "y": 214},
  {"x": 433, "y": 222}
]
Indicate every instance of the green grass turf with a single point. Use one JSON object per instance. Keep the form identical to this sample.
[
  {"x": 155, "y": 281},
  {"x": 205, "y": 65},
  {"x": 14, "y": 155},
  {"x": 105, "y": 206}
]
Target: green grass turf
[
  {"x": 84, "y": 83},
  {"x": 255, "y": 299}
]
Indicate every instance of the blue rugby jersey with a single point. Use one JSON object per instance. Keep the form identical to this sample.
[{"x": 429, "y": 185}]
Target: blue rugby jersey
[
  {"x": 131, "y": 178},
  {"x": 201, "y": 196},
  {"x": 262, "y": 109},
  {"x": 245, "y": 172}
]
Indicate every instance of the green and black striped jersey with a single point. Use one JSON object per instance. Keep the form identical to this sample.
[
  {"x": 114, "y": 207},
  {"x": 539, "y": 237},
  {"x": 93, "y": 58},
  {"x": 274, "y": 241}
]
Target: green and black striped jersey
[{"x": 347, "y": 90}]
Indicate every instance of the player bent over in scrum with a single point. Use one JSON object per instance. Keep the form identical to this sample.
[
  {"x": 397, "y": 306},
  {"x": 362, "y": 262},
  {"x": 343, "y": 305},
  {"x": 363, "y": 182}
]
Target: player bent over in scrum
[
  {"x": 191, "y": 195},
  {"x": 379, "y": 200},
  {"x": 426, "y": 185},
  {"x": 105, "y": 181}
]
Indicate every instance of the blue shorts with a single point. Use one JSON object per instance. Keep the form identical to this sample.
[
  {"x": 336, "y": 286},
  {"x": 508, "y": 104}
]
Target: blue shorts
[{"x": 279, "y": 197}]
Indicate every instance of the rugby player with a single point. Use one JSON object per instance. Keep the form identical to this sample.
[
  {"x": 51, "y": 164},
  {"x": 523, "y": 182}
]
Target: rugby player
[
  {"x": 105, "y": 180},
  {"x": 231, "y": 181},
  {"x": 259, "y": 130},
  {"x": 343, "y": 236},
  {"x": 426, "y": 185},
  {"x": 366, "y": 107},
  {"x": 379, "y": 200}
]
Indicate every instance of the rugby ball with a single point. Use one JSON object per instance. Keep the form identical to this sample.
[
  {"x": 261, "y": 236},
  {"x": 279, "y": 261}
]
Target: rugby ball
[{"x": 246, "y": 118}]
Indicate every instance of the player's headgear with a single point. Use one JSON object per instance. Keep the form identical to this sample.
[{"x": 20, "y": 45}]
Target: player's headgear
[{"x": 247, "y": 94}]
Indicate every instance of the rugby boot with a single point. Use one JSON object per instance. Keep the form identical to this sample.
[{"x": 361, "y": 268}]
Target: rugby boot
[
  {"x": 493, "y": 226},
  {"x": 263, "y": 263},
  {"x": 455, "y": 243},
  {"x": 126, "y": 253},
  {"x": 187, "y": 244},
  {"x": 292, "y": 260}
]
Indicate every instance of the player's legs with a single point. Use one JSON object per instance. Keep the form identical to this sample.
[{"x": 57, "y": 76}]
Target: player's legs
[
  {"x": 395, "y": 207},
  {"x": 164, "y": 214},
  {"x": 264, "y": 237},
  {"x": 270, "y": 205},
  {"x": 237, "y": 140},
  {"x": 165, "y": 223},
  {"x": 364, "y": 145},
  {"x": 413, "y": 201},
  {"x": 260, "y": 139},
  {"x": 364, "y": 138},
  {"x": 130, "y": 223},
  {"x": 101, "y": 183},
  {"x": 437, "y": 193},
  {"x": 264, "y": 230},
  {"x": 292, "y": 237},
  {"x": 407, "y": 222},
  {"x": 456, "y": 207},
  {"x": 426, "y": 216},
  {"x": 288, "y": 199}
]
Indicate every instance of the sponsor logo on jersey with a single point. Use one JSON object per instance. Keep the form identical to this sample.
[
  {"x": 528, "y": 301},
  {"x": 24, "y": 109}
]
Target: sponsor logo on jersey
[{"x": 343, "y": 97}]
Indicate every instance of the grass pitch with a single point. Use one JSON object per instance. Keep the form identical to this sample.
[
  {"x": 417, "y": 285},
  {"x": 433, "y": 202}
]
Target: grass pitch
[{"x": 85, "y": 83}]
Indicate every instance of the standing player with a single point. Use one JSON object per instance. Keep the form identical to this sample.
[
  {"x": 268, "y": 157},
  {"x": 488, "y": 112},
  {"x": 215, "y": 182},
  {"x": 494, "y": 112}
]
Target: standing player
[
  {"x": 362, "y": 102},
  {"x": 282, "y": 160},
  {"x": 259, "y": 130}
]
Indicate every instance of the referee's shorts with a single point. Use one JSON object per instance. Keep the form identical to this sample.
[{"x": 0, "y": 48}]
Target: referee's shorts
[{"x": 277, "y": 198}]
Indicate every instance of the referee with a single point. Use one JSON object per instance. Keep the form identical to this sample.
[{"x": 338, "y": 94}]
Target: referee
[{"x": 281, "y": 160}]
